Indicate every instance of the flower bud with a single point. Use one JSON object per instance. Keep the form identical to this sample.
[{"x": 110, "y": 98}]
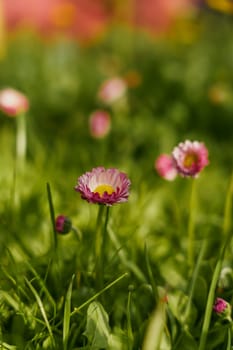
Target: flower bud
[
  {"x": 222, "y": 308},
  {"x": 63, "y": 224}
]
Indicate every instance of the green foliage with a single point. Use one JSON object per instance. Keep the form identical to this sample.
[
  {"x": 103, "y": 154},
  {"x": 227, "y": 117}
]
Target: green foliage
[{"x": 97, "y": 329}]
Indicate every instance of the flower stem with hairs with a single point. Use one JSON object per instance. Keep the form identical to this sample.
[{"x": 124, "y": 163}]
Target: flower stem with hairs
[
  {"x": 100, "y": 244},
  {"x": 21, "y": 140},
  {"x": 191, "y": 225}
]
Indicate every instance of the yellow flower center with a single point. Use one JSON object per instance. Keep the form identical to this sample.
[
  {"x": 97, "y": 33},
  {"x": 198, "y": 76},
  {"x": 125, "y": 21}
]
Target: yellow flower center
[
  {"x": 190, "y": 159},
  {"x": 101, "y": 189}
]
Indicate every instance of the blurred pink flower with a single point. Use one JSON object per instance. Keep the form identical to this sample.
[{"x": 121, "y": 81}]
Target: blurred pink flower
[
  {"x": 159, "y": 15},
  {"x": 104, "y": 186},
  {"x": 88, "y": 19},
  {"x": 165, "y": 167},
  {"x": 13, "y": 102},
  {"x": 99, "y": 123},
  {"x": 190, "y": 158},
  {"x": 84, "y": 20},
  {"x": 63, "y": 224},
  {"x": 112, "y": 90}
]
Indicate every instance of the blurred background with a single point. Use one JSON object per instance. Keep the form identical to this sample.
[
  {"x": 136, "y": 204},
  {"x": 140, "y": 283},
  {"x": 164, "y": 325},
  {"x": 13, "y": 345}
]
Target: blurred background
[{"x": 175, "y": 57}]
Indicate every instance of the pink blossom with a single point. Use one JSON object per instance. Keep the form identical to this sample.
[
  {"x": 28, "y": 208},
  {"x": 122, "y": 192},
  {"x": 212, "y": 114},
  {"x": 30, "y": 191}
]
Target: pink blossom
[
  {"x": 159, "y": 15},
  {"x": 104, "y": 186},
  {"x": 112, "y": 90},
  {"x": 88, "y": 19},
  {"x": 84, "y": 20},
  {"x": 220, "y": 306},
  {"x": 63, "y": 224},
  {"x": 99, "y": 123},
  {"x": 190, "y": 158},
  {"x": 165, "y": 167},
  {"x": 13, "y": 102}
]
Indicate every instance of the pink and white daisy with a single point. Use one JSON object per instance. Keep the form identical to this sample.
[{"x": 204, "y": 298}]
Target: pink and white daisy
[
  {"x": 165, "y": 167},
  {"x": 112, "y": 90},
  {"x": 99, "y": 123},
  {"x": 104, "y": 186},
  {"x": 13, "y": 102},
  {"x": 190, "y": 158}
]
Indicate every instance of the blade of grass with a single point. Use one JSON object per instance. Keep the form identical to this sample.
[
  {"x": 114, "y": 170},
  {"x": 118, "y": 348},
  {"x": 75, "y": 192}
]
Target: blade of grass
[
  {"x": 123, "y": 257},
  {"x": 130, "y": 336},
  {"x": 155, "y": 328},
  {"x": 227, "y": 235},
  {"x": 67, "y": 313},
  {"x": 150, "y": 274},
  {"x": 77, "y": 309},
  {"x": 43, "y": 287},
  {"x": 194, "y": 278},
  {"x": 52, "y": 214},
  {"x": 19, "y": 307},
  {"x": 10, "y": 300},
  {"x": 42, "y": 310}
]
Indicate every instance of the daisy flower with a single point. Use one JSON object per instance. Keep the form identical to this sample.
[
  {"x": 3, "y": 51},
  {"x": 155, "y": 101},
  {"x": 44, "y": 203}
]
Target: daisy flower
[
  {"x": 165, "y": 167},
  {"x": 112, "y": 90},
  {"x": 99, "y": 124},
  {"x": 190, "y": 158},
  {"x": 104, "y": 186},
  {"x": 13, "y": 102}
]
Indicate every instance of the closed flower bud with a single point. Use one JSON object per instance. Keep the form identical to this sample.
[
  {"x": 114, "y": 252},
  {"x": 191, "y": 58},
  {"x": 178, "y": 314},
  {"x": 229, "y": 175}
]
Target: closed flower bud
[
  {"x": 222, "y": 308},
  {"x": 63, "y": 224}
]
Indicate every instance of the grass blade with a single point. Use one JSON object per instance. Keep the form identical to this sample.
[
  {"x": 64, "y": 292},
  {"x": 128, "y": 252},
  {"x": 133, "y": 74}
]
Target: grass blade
[
  {"x": 77, "y": 309},
  {"x": 67, "y": 314},
  {"x": 155, "y": 328},
  {"x": 42, "y": 310},
  {"x": 52, "y": 214}
]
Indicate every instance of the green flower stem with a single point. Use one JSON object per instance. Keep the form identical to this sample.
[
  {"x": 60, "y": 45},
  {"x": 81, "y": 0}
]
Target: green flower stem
[
  {"x": 77, "y": 232},
  {"x": 192, "y": 209},
  {"x": 228, "y": 339},
  {"x": 100, "y": 244},
  {"x": 21, "y": 140},
  {"x": 194, "y": 278},
  {"x": 227, "y": 235}
]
